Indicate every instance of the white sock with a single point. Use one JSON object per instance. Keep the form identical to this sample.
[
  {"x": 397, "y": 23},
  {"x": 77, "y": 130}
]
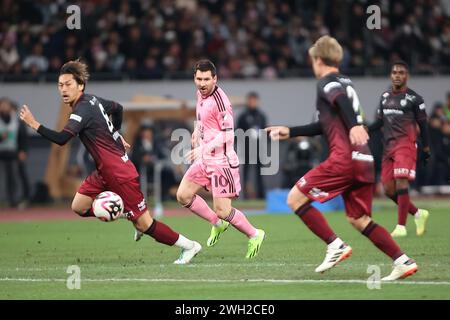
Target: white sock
[
  {"x": 184, "y": 242},
  {"x": 336, "y": 244},
  {"x": 401, "y": 260}
]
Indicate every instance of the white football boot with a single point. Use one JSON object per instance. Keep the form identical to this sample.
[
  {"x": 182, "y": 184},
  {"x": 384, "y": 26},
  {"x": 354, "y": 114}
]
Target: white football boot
[
  {"x": 403, "y": 267},
  {"x": 187, "y": 254},
  {"x": 337, "y": 251}
]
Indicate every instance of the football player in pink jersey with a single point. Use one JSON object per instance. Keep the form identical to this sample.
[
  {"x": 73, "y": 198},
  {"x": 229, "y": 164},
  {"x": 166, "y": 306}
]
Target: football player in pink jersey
[{"x": 215, "y": 165}]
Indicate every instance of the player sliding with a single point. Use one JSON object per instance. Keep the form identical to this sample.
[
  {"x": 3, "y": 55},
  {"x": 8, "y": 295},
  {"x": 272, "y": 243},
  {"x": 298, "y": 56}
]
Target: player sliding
[
  {"x": 349, "y": 169},
  {"x": 90, "y": 120},
  {"x": 215, "y": 163},
  {"x": 399, "y": 110}
]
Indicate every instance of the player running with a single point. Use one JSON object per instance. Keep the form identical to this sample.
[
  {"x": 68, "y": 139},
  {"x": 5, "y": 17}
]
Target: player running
[
  {"x": 349, "y": 169},
  {"x": 399, "y": 111},
  {"x": 215, "y": 163},
  {"x": 90, "y": 120}
]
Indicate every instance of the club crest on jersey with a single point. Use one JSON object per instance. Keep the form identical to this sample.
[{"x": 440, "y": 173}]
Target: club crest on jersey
[
  {"x": 410, "y": 97},
  {"x": 403, "y": 102},
  {"x": 93, "y": 101}
]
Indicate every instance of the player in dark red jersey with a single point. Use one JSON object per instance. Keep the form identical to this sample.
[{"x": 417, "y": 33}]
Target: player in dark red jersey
[
  {"x": 97, "y": 122},
  {"x": 399, "y": 112},
  {"x": 349, "y": 169}
]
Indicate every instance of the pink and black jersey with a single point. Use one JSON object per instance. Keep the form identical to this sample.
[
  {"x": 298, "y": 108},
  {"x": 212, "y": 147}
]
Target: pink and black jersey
[
  {"x": 335, "y": 130},
  {"x": 400, "y": 113},
  {"x": 215, "y": 128},
  {"x": 90, "y": 121}
]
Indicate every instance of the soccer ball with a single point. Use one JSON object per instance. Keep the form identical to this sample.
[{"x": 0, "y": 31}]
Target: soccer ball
[{"x": 108, "y": 206}]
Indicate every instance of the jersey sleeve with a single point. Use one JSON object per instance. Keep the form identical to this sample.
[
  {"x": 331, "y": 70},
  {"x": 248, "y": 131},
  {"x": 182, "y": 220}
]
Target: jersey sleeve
[
  {"x": 110, "y": 106},
  {"x": 420, "y": 109},
  {"x": 78, "y": 120}
]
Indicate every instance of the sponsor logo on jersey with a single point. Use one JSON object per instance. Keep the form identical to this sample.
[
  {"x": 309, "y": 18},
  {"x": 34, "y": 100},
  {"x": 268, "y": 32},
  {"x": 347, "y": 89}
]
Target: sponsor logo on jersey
[
  {"x": 332, "y": 85},
  {"x": 75, "y": 117},
  {"x": 392, "y": 111}
]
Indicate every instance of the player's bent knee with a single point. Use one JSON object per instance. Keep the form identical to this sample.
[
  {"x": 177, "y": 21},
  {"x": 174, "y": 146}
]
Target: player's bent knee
[
  {"x": 359, "y": 223},
  {"x": 296, "y": 199},
  {"x": 78, "y": 208},
  {"x": 222, "y": 211},
  {"x": 184, "y": 198},
  {"x": 143, "y": 222}
]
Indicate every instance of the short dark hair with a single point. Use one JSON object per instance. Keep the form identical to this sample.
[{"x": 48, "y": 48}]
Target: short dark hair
[
  {"x": 205, "y": 65},
  {"x": 400, "y": 63},
  {"x": 78, "y": 69},
  {"x": 253, "y": 94}
]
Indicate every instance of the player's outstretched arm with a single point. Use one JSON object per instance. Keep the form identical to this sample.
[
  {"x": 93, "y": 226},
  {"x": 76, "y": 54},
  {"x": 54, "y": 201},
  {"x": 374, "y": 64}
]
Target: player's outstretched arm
[
  {"x": 278, "y": 132},
  {"x": 283, "y": 133},
  {"x": 59, "y": 138}
]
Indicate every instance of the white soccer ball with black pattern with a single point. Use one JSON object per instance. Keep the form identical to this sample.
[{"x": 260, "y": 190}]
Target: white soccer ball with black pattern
[{"x": 108, "y": 206}]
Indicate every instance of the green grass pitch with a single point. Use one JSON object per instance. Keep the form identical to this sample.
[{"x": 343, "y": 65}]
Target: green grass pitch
[{"x": 34, "y": 257}]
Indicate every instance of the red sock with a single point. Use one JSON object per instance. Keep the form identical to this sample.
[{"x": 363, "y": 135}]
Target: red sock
[
  {"x": 403, "y": 206},
  {"x": 315, "y": 221},
  {"x": 162, "y": 233},
  {"x": 412, "y": 209},
  {"x": 382, "y": 240}
]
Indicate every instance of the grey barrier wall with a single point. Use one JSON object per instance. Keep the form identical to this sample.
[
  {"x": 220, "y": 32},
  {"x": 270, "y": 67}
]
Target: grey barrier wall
[{"x": 289, "y": 102}]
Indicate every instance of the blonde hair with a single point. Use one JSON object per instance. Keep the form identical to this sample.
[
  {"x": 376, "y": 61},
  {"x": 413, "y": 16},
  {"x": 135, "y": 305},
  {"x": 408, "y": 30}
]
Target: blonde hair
[{"x": 328, "y": 49}]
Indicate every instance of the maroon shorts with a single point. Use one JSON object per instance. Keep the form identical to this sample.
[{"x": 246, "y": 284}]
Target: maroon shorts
[
  {"x": 130, "y": 192},
  {"x": 400, "y": 163},
  {"x": 329, "y": 180}
]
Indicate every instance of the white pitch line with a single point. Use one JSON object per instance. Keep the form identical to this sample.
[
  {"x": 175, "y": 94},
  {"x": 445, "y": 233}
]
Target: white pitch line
[
  {"x": 304, "y": 281},
  {"x": 205, "y": 265}
]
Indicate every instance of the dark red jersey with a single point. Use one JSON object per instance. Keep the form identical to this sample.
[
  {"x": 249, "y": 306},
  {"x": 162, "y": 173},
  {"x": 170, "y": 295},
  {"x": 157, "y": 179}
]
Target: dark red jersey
[
  {"x": 90, "y": 121},
  {"x": 335, "y": 129},
  {"x": 400, "y": 112}
]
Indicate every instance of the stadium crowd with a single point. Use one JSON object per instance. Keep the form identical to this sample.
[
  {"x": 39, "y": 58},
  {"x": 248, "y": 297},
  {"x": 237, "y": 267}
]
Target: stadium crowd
[{"x": 145, "y": 39}]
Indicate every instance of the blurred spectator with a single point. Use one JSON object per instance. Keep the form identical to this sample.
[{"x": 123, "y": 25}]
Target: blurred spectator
[
  {"x": 147, "y": 151},
  {"x": 266, "y": 38},
  {"x": 36, "y": 62},
  {"x": 252, "y": 121},
  {"x": 13, "y": 148}
]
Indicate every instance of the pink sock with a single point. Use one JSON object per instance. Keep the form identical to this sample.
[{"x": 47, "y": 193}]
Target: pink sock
[
  {"x": 240, "y": 222},
  {"x": 201, "y": 208}
]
